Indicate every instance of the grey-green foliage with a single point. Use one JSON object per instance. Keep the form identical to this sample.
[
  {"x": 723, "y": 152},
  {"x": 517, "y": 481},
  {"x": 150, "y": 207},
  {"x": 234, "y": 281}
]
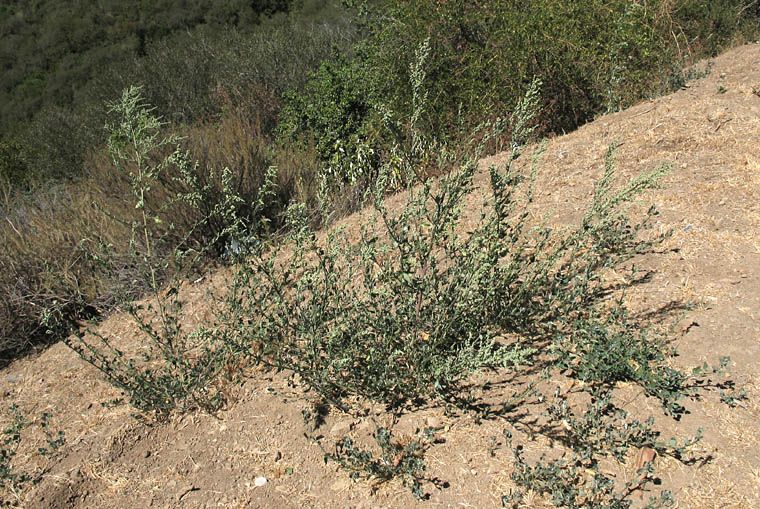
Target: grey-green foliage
[
  {"x": 178, "y": 366},
  {"x": 576, "y": 479},
  {"x": 396, "y": 459},
  {"x": 416, "y": 304}
]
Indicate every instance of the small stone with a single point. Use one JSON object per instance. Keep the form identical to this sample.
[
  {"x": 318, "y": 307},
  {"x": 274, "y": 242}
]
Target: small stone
[
  {"x": 14, "y": 378},
  {"x": 340, "y": 485},
  {"x": 341, "y": 428},
  {"x": 433, "y": 422},
  {"x": 260, "y": 481}
]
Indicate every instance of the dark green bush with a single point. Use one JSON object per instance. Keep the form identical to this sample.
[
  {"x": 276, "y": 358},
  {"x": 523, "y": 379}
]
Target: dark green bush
[
  {"x": 592, "y": 56},
  {"x": 192, "y": 69},
  {"x": 49, "y": 50},
  {"x": 13, "y": 168},
  {"x": 333, "y": 107},
  {"x": 396, "y": 459}
]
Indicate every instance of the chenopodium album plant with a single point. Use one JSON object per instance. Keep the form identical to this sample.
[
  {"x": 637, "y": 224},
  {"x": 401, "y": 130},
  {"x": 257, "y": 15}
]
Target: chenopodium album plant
[
  {"x": 416, "y": 304},
  {"x": 175, "y": 367}
]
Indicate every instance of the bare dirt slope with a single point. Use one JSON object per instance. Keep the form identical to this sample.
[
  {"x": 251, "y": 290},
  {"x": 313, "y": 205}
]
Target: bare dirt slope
[{"x": 709, "y": 131}]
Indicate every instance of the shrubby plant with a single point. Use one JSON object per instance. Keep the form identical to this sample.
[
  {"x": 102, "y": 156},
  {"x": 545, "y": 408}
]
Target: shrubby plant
[
  {"x": 416, "y": 305},
  {"x": 407, "y": 312},
  {"x": 180, "y": 366},
  {"x": 404, "y": 459},
  {"x": 333, "y": 109},
  {"x": 575, "y": 478},
  {"x": 592, "y": 57}
]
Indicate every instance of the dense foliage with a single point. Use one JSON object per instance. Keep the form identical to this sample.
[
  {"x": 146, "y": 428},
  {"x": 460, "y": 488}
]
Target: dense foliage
[
  {"x": 50, "y": 50},
  {"x": 61, "y": 62},
  {"x": 592, "y": 56}
]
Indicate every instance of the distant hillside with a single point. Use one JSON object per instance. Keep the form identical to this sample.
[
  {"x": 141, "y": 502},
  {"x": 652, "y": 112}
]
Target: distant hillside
[{"x": 49, "y": 49}]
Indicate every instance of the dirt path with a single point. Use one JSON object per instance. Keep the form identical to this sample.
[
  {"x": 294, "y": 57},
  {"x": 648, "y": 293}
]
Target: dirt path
[{"x": 709, "y": 131}]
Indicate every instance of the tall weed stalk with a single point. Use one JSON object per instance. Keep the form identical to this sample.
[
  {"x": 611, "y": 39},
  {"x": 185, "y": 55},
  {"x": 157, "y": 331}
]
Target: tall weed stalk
[{"x": 178, "y": 366}]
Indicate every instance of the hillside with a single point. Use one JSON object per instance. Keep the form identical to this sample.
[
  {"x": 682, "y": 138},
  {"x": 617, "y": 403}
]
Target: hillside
[
  {"x": 709, "y": 131},
  {"x": 51, "y": 51}
]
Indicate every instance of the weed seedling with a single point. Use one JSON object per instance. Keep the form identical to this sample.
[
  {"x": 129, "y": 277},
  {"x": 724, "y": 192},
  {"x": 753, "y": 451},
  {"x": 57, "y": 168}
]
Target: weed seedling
[
  {"x": 397, "y": 459},
  {"x": 10, "y": 479}
]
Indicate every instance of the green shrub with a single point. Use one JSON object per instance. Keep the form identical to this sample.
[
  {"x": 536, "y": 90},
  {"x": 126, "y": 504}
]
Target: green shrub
[
  {"x": 592, "y": 57},
  {"x": 403, "y": 315},
  {"x": 575, "y": 479},
  {"x": 334, "y": 109},
  {"x": 41, "y": 250},
  {"x": 405, "y": 460}
]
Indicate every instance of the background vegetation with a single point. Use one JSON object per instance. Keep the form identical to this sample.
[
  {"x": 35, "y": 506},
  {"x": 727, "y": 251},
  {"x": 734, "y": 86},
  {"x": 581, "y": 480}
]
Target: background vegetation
[
  {"x": 50, "y": 50},
  {"x": 592, "y": 57},
  {"x": 306, "y": 86}
]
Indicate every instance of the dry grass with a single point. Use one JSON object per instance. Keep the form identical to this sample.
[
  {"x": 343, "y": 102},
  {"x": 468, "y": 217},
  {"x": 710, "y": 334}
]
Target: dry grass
[{"x": 48, "y": 236}]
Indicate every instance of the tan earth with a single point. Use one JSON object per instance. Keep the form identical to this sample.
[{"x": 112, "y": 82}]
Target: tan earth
[{"x": 709, "y": 132}]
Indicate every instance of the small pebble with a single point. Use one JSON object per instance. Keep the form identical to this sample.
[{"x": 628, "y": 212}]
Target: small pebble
[
  {"x": 260, "y": 481},
  {"x": 341, "y": 428},
  {"x": 433, "y": 422}
]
